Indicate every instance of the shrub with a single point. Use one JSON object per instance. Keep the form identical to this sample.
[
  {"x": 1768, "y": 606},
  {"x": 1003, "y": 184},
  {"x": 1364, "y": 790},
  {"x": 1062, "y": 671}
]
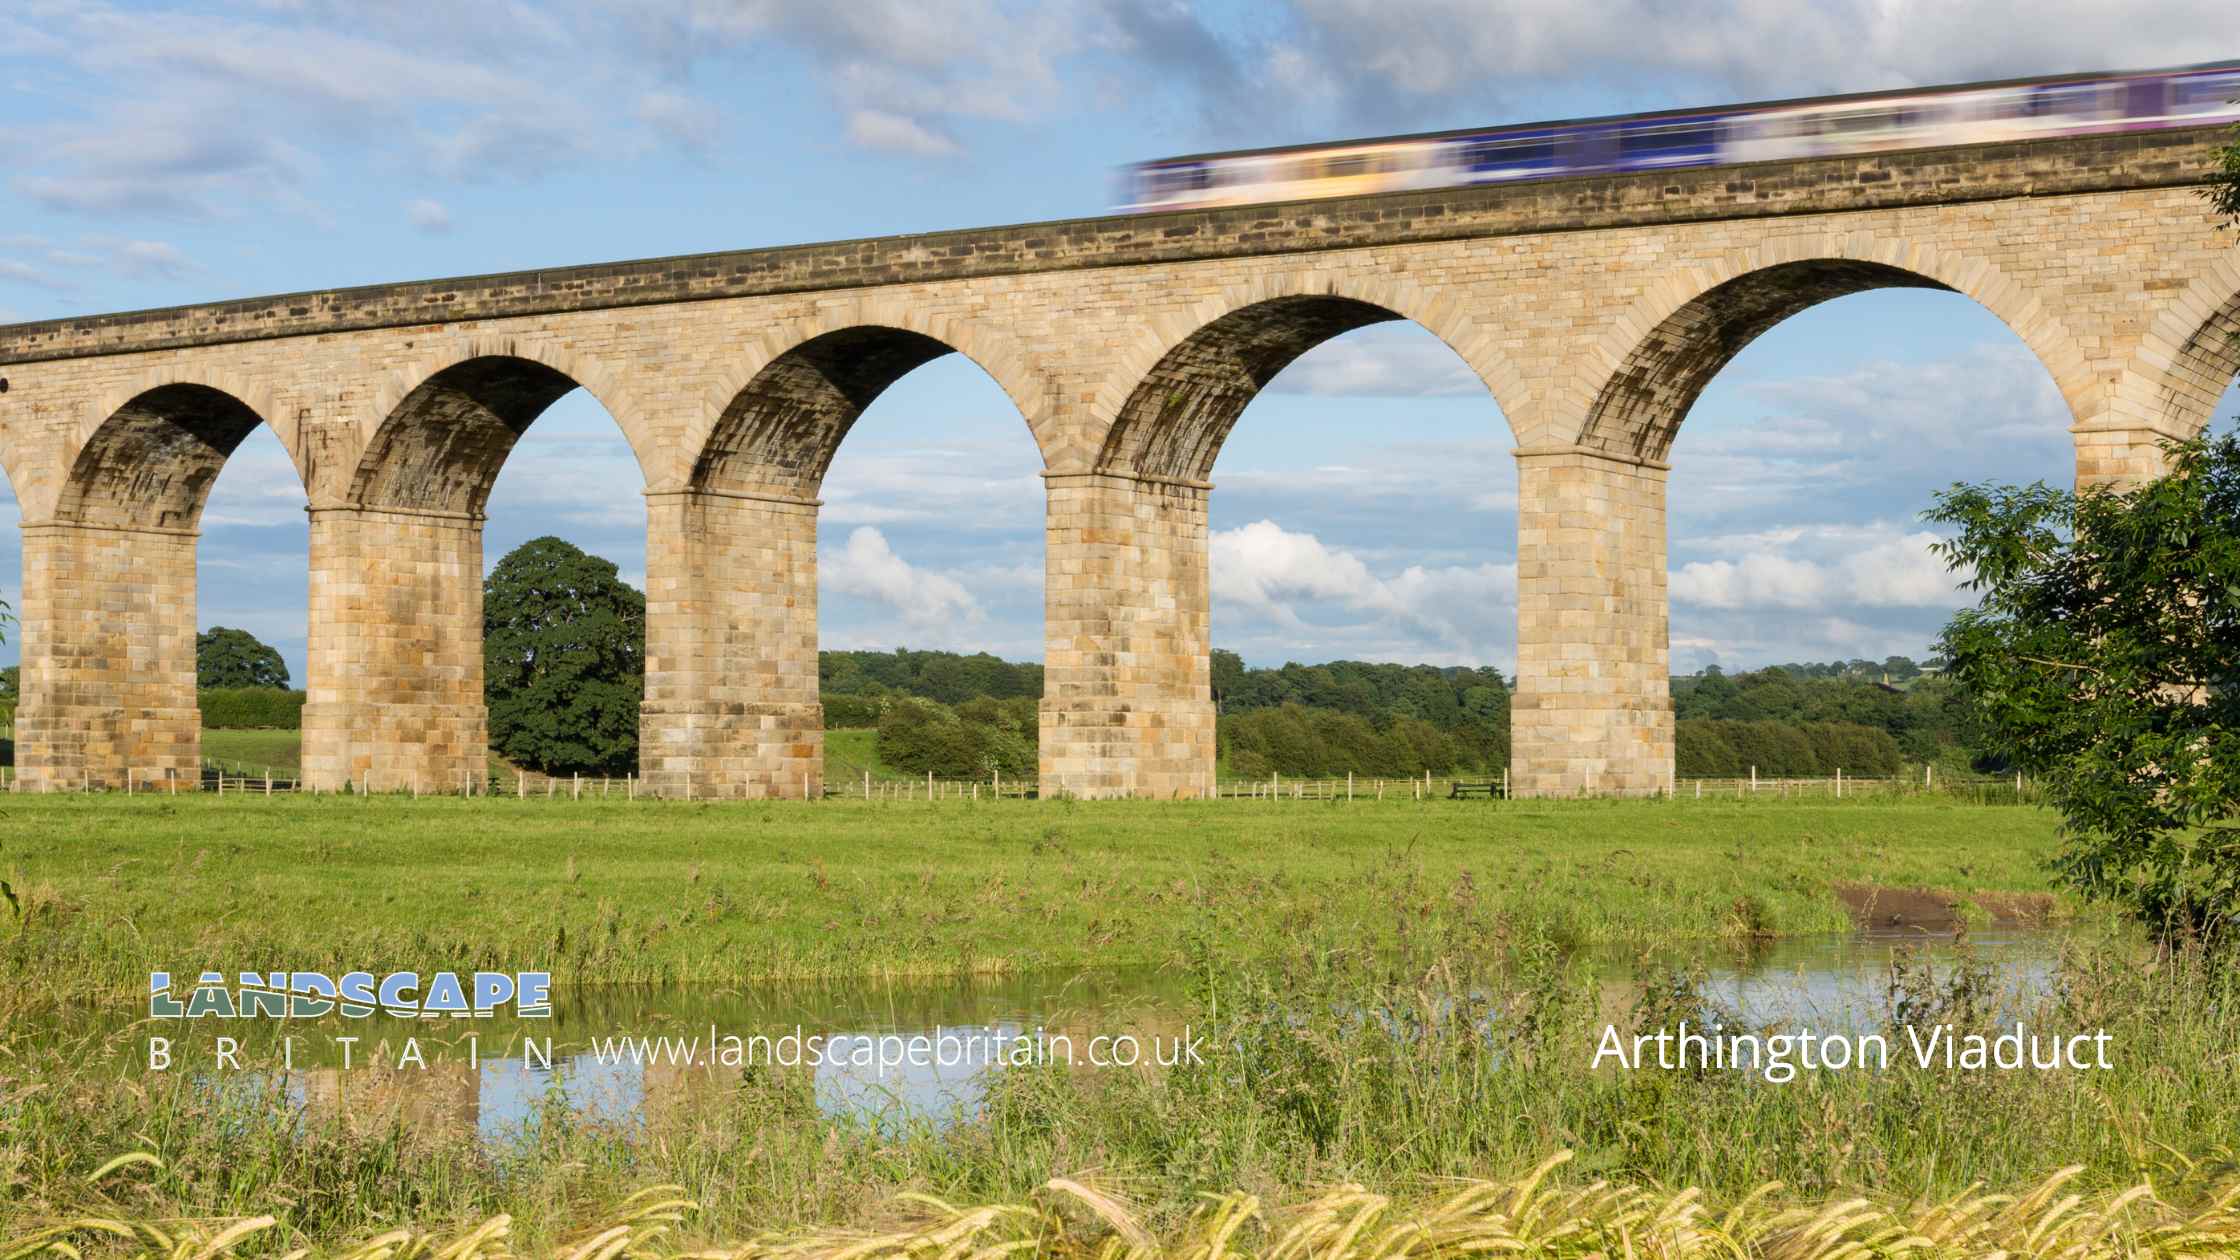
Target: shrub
[
  {"x": 924, "y": 737},
  {"x": 250, "y": 708},
  {"x": 1718, "y": 748}
]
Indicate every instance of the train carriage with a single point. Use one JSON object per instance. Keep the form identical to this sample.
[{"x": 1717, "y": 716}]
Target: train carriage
[{"x": 1983, "y": 113}]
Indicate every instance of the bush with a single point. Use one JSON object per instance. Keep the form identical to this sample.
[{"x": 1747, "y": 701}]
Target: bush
[
  {"x": 250, "y": 708},
  {"x": 1322, "y": 743},
  {"x": 852, "y": 712},
  {"x": 923, "y": 737},
  {"x": 1718, "y": 748}
]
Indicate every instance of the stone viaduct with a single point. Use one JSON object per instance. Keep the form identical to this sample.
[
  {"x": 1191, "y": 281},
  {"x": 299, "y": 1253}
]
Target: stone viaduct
[{"x": 1593, "y": 309}]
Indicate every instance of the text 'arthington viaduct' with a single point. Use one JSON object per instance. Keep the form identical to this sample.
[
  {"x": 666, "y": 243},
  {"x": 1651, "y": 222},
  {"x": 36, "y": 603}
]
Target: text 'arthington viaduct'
[{"x": 1594, "y": 310}]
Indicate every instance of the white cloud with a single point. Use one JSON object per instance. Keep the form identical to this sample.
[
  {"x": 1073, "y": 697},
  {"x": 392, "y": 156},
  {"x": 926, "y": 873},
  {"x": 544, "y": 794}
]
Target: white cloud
[
  {"x": 31, "y": 277},
  {"x": 1873, "y": 566},
  {"x": 893, "y": 133},
  {"x": 867, "y": 567},
  {"x": 1363, "y": 366},
  {"x": 141, "y": 259},
  {"x": 58, "y": 266},
  {"x": 1295, "y": 582},
  {"x": 690, "y": 122},
  {"x": 1400, "y": 60},
  {"x": 428, "y": 215},
  {"x": 153, "y": 124}
]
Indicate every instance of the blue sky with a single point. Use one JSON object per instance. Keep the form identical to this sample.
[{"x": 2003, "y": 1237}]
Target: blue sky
[{"x": 165, "y": 153}]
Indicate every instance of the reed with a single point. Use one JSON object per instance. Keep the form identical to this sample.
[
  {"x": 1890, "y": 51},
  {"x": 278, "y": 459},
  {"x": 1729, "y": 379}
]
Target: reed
[{"x": 1537, "y": 1215}]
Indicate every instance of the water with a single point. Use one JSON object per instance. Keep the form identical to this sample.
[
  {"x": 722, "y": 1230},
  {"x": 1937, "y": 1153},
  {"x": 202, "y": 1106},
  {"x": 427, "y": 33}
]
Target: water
[{"x": 616, "y": 1054}]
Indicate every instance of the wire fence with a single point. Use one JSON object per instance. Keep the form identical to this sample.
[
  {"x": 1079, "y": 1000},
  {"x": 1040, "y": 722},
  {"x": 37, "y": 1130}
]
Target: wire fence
[{"x": 855, "y": 783}]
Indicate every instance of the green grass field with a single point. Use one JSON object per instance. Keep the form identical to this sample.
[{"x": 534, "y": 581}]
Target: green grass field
[
  {"x": 847, "y": 754},
  {"x": 113, "y": 887},
  {"x": 254, "y": 751}
]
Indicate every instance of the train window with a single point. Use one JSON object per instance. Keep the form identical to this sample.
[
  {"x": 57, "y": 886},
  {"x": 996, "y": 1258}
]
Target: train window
[
  {"x": 1858, "y": 120},
  {"x": 1484, "y": 154},
  {"x": 1686, "y": 137},
  {"x": 1177, "y": 179},
  {"x": 1341, "y": 167},
  {"x": 2207, "y": 89}
]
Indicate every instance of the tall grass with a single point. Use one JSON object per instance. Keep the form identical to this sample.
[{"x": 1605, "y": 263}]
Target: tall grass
[
  {"x": 112, "y": 888},
  {"x": 1461, "y": 1054},
  {"x": 1537, "y": 1215}
]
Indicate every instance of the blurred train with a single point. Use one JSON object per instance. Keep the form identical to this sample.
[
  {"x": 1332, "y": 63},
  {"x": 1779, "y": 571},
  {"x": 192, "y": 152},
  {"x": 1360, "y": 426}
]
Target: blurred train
[{"x": 1829, "y": 126}]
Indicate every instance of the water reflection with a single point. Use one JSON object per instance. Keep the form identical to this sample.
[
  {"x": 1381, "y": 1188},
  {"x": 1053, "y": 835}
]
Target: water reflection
[{"x": 620, "y": 1054}]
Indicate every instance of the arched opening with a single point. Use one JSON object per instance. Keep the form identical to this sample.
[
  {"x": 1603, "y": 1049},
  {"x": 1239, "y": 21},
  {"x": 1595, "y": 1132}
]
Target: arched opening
[
  {"x": 442, "y": 447},
  {"x": 251, "y": 607},
  {"x": 743, "y": 702},
  {"x": 1174, "y": 423},
  {"x": 1314, "y": 550},
  {"x": 111, "y": 592},
  {"x": 930, "y": 585},
  {"x": 1639, "y": 409},
  {"x": 396, "y": 673},
  {"x": 1809, "y": 413},
  {"x": 151, "y": 465},
  {"x": 780, "y": 433},
  {"x": 1595, "y": 680}
]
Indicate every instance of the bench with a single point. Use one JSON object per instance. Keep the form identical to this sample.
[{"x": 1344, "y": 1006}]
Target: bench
[{"x": 1462, "y": 791}]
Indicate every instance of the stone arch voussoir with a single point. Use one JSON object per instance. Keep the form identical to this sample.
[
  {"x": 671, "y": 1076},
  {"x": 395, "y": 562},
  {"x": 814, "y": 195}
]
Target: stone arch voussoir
[
  {"x": 2186, "y": 359},
  {"x": 1668, "y": 298},
  {"x": 252, "y": 392},
  {"x": 994, "y": 352},
  {"x": 393, "y": 386},
  {"x": 1440, "y": 314}
]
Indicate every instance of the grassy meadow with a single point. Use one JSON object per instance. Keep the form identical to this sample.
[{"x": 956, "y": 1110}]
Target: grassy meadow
[
  {"x": 847, "y": 754},
  {"x": 616, "y": 891},
  {"x": 1430, "y": 1120}
]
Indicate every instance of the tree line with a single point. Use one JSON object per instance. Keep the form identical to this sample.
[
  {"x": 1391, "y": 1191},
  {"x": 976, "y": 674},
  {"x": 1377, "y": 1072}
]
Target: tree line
[{"x": 564, "y": 659}]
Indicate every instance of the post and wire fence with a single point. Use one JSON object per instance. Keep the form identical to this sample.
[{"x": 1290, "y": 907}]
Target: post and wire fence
[{"x": 843, "y": 782}]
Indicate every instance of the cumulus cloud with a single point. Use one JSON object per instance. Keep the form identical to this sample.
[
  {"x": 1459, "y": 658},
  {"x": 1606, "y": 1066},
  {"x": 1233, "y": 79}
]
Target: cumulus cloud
[
  {"x": 1296, "y": 582},
  {"x": 57, "y": 267},
  {"x": 1366, "y": 365},
  {"x": 893, "y": 133},
  {"x": 141, "y": 259},
  {"x": 869, "y": 568},
  {"x": 1397, "y": 63},
  {"x": 258, "y": 488},
  {"x": 428, "y": 215},
  {"x": 467, "y": 90},
  {"x": 1802, "y": 444},
  {"x": 1819, "y": 567}
]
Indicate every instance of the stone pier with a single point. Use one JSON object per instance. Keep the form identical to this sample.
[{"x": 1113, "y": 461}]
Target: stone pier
[{"x": 731, "y": 707}]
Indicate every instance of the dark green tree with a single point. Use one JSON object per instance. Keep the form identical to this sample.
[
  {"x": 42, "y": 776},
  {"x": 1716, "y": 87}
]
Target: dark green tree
[
  {"x": 2104, "y": 659},
  {"x": 225, "y": 657},
  {"x": 563, "y": 659},
  {"x": 2223, "y": 190}
]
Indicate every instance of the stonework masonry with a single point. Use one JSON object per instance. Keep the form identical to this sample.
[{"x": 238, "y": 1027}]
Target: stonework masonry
[
  {"x": 731, "y": 707},
  {"x": 394, "y": 698},
  {"x": 1593, "y": 708},
  {"x": 1593, "y": 310},
  {"x": 1127, "y": 704}
]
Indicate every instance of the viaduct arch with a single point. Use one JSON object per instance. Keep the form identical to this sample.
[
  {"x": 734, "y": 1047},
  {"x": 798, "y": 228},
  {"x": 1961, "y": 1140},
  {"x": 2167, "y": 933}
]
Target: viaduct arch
[{"x": 1593, "y": 309}]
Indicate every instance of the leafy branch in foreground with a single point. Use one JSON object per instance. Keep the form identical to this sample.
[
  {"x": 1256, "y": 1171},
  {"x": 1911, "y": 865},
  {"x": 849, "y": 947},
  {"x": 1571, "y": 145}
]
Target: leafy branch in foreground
[
  {"x": 2104, "y": 659},
  {"x": 2223, "y": 189}
]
